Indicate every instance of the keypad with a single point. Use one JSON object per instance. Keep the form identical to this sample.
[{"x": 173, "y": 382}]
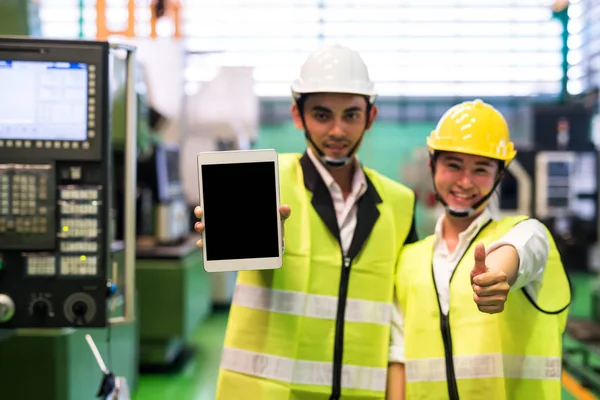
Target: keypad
[
  {"x": 78, "y": 231},
  {"x": 24, "y": 198}
]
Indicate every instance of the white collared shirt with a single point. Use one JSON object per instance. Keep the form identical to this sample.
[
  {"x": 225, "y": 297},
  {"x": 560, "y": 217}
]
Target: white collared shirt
[
  {"x": 345, "y": 210},
  {"x": 530, "y": 240}
]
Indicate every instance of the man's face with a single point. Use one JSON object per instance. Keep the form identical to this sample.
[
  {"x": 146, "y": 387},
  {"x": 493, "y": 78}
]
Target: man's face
[
  {"x": 335, "y": 121},
  {"x": 462, "y": 179}
]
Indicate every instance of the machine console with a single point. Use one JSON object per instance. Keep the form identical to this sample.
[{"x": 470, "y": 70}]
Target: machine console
[
  {"x": 566, "y": 184},
  {"x": 54, "y": 183}
]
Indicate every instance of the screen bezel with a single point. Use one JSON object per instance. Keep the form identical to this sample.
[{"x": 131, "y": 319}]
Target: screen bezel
[
  {"x": 232, "y": 157},
  {"x": 86, "y": 52}
]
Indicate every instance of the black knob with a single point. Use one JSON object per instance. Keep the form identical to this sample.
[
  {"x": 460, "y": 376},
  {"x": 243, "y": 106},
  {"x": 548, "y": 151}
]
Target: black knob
[
  {"x": 40, "y": 309},
  {"x": 80, "y": 308}
]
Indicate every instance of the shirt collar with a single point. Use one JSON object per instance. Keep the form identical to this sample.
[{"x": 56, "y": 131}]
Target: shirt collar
[{"x": 473, "y": 228}]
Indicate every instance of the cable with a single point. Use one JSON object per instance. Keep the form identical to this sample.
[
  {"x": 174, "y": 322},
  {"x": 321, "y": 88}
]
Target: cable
[{"x": 108, "y": 348}]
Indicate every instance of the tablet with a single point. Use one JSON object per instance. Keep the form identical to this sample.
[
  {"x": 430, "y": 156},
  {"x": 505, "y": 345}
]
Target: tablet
[{"x": 239, "y": 196}]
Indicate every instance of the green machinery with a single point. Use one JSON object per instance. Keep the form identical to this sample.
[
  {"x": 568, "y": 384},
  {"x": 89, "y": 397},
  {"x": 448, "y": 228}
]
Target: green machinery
[
  {"x": 62, "y": 273},
  {"x": 174, "y": 291},
  {"x": 20, "y": 17},
  {"x": 174, "y": 295}
]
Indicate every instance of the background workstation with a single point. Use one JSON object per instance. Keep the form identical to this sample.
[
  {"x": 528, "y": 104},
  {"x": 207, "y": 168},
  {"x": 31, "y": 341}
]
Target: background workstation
[{"x": 216, "y": 76}]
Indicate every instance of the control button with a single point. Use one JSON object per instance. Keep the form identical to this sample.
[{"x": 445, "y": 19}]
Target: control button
[
  {"x": 75, "y": 145},
  {"x": 56, "y": 144},
  {"x": 9, "y": 143},
  {"x": 7, "y": 308},
  {"x": 1, "y": 143},
  {"x": 40, "y": 308},
  {"x": 48, "y": 144},
  {"x": 66, "y": 145},
  {"x": 85, "y": 145},
  {"x": 92, "y": 92},
  {"x": 18, "y": 143},
  {"x": 28, "y": 143},
  {"x": 39, "y": 144},
  {"x": 80, "y": 308},
  {"x": 92, "y": 68},
  {"x": 75, "y": 172},
  {"x": 92, "y": 134},
  {"x": 111, "y": 288}
]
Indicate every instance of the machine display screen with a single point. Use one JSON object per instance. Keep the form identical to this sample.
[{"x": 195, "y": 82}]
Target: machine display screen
[
  {"x": 558, "y": 184},
  {"x": 42, "y": 100},
  {"x": 558, "y": 169}
]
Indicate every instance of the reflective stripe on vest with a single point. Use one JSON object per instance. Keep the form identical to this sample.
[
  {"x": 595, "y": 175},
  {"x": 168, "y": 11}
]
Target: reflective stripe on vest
[
  {"x": 310, "y": 305},
  {"x": 285, "y": 320},
  {"x": 301, "y": 371},
  {"x": 485, "y": 366},
  {"x": 493, "y": 355}
]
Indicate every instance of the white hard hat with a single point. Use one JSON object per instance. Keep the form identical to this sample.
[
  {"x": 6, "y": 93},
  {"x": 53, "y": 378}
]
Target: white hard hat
[{"x": 335, "y": 69}]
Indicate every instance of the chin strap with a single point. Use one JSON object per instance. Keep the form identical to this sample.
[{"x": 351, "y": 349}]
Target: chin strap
[
  {"x": 464, "y": 212},
  {"x": 333, "y": 162},
  {"x": 329, "y": 161}
]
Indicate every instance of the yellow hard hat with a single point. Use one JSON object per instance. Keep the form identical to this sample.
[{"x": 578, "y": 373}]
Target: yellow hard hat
[{"x": 476, "y": 128}]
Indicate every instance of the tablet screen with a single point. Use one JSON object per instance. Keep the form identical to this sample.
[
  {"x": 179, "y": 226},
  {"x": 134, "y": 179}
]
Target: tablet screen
[{"x": 241, "y": 214}]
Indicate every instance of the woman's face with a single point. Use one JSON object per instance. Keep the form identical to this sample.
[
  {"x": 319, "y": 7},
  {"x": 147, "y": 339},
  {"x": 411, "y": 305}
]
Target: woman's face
[{"x": 461, "y": 180}]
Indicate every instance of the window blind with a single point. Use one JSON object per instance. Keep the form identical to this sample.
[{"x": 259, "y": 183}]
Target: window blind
[
  {"x": 584, "y": 46},
  {"x": 413, "y": 47}
]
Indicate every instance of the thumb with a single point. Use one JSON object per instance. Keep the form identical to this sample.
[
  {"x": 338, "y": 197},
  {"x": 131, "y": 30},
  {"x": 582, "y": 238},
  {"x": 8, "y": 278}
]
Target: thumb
[{"x": 479, "y": 267}]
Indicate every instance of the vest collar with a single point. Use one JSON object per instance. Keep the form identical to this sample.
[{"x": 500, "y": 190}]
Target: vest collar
[
  {"x": 312, "y": 179},
  {"x": 367, "y": 214}
]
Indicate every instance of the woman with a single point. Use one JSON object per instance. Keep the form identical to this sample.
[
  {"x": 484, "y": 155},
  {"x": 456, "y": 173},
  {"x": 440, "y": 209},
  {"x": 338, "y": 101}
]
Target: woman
[{"x": 482, "y": 303}]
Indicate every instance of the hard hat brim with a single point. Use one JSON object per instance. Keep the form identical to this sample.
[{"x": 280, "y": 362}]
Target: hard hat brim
[
  {"x": 463, "y": 150},
  {"x": 304, "y": 88}
]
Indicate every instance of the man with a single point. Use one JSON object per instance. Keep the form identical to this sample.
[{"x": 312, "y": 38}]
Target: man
[
  {"x": 318, "y": 328},
  {"x": 482, "y": 303}
]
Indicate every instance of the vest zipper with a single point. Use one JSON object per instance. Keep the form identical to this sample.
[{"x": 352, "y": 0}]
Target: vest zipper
[
  {"x": 445, "y": 325},
  {"x": 338, "y": 348},
  {"x": 447, "y": 339}
]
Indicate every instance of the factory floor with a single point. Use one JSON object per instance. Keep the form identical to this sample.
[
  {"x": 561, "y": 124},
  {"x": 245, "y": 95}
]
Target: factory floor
[{"x": 198, "y": 380}]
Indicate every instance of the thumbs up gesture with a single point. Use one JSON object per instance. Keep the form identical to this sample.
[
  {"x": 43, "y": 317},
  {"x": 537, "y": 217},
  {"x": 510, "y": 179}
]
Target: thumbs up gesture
[{"x": 490, "y": 288}]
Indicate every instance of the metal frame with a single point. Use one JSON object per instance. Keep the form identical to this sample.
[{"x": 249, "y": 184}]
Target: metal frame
[
  {"x": 130, "y": 183},
  {"x": 524, "y": 188}
]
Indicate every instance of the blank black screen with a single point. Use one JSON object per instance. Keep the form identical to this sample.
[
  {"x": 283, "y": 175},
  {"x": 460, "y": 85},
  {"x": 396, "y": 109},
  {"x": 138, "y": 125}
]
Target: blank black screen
[{"x": 240, "y": 207}]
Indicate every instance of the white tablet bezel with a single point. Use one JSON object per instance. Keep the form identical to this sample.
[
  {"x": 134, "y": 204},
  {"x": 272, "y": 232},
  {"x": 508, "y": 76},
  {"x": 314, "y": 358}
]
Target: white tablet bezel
[{"x": 234, "y": 157}]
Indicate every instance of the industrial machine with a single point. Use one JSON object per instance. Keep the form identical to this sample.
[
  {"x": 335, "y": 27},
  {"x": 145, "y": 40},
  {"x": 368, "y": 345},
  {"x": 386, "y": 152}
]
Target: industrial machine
[
  {"x": 168, "y": 262},
  {"x": 557, "y": 182},
  {"x": 560, "y": 188},
  {"x": 60, "y": 266},
  {"x": 163, "y": 212},
  {"x": 55, "y": 186}
]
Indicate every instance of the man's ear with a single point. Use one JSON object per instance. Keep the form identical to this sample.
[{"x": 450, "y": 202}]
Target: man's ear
[
  {"x": 372, "y": 115},
  {"x": 297, "y": 117}
]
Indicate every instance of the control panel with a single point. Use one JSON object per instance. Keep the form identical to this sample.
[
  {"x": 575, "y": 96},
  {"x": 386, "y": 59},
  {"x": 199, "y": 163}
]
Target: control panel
[
  {"x": 55, "y": 183},
  {"x": 566, "y": 184}
]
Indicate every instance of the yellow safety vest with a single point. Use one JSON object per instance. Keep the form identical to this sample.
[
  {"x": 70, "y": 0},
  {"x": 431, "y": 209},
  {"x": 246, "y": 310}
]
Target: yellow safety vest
[
  {"x": 291, "y": 330},
  {"x": 471, "y": 355}
]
